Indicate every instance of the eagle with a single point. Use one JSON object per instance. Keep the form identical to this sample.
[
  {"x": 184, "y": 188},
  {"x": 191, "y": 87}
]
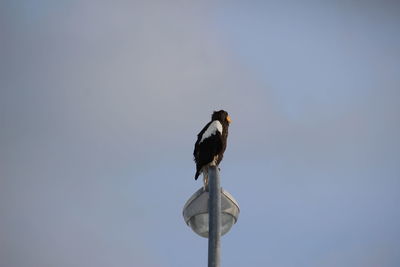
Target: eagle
[{"x": 211, "y": 144}]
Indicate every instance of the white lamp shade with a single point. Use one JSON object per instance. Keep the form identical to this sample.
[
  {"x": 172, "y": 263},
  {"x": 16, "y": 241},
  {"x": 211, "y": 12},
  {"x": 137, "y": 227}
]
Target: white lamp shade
[{"x": 195, "y": 212}]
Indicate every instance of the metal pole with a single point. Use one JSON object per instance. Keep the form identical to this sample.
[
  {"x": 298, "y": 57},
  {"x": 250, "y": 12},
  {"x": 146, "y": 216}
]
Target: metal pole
[{"x": 214, "y": 213}]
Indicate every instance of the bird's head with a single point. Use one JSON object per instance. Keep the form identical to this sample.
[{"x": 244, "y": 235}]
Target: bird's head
[{"x": 222, "y": 116}]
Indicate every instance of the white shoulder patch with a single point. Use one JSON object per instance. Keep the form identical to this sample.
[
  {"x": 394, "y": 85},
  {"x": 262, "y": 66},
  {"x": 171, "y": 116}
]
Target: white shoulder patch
[{"x": 212, "y": 129}]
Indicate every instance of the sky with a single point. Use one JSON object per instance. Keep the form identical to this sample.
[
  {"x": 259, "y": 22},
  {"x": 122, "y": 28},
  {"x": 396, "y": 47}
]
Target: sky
[{"x": 101, "y": 102}]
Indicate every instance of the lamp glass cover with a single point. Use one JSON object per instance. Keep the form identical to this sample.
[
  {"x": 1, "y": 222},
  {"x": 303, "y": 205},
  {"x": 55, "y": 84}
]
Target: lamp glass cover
[{"x": 199, "y": 223}]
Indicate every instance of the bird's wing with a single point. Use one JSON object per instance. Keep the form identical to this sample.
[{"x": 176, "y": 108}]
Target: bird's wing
[
  {"x": 196, "y": 145},
  {"x": 214, "y": 128},
  {"x": 208, "y": 145},
  {"x": 209, "y": 142}
]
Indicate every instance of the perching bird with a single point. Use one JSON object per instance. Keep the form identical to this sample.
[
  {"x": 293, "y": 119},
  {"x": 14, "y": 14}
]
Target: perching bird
[{"x": 211, "y": 143}]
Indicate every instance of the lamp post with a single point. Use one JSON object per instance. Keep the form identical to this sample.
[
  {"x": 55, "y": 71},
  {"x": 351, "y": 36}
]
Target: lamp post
[{"x": 211, "y": 214}]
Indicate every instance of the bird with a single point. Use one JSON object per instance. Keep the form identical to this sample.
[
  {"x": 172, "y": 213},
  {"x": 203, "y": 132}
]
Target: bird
[{"x": 211, "y": 144}]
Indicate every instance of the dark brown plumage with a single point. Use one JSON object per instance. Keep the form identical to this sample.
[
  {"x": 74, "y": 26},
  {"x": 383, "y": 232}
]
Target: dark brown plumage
[{"x": 211, "y": 141}]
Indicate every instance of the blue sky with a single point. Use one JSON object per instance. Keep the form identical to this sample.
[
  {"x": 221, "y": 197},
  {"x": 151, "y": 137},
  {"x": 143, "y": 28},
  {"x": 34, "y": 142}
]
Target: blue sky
[{"x": 101, "y": 102}]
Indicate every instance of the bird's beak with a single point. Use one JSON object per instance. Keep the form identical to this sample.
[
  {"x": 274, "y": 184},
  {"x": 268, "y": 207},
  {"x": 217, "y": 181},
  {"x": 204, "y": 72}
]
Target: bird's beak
[{"x": 228, "y": 119}]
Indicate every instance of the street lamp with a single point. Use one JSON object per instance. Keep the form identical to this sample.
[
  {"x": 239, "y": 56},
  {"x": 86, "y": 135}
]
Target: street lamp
[
  {"x": 211, "y": 214},
  {"x": 195, "y": 212}
]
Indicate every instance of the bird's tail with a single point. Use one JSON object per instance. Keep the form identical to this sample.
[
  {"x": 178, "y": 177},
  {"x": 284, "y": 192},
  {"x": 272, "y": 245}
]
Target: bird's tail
[
  {"x": 197, "y": 175},
  {"x": 198, "y": 171}
]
